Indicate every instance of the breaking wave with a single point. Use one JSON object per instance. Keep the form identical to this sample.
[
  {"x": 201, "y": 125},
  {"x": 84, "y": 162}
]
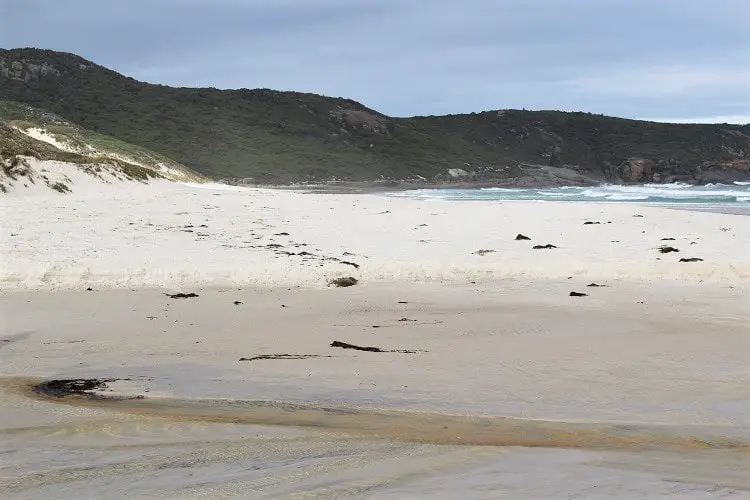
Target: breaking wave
[{"x": 678, "y": 193}]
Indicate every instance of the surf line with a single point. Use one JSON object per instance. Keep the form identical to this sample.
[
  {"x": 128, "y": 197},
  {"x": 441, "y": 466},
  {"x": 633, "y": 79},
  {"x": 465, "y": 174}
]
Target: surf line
[{"x": 409, "y": 426}]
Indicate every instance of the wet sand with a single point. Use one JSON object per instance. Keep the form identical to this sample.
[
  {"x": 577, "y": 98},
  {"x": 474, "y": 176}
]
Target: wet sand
[
  {"x": 728, "y": 210},
  {"x": 91, "y": 453},
  {"x": 638, "y": 390}
]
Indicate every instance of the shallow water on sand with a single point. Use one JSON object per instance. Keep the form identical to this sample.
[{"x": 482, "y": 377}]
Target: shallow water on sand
[{"x": 172, "y": 448}]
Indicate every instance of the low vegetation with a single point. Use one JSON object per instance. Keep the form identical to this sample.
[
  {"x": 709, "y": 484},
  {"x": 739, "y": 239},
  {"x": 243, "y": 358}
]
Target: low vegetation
[
  {"x": 16, "y": 147},
  {"x": 86, "y": 147},
  {"x": 15, "y": 144},
  {"x": 60, "y": 187}
]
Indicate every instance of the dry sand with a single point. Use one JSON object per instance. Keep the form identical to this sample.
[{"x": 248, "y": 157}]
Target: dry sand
[
  {"x": 174, "y": 235},
  {"x": 637, "y": 390}
]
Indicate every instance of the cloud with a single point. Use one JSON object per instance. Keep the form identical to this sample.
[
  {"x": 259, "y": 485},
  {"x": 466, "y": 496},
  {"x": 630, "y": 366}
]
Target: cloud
[
  {"x": 677, "y": 58},
  {"x": 669, "y": 80},
  {"x": 735, "y": 119}
]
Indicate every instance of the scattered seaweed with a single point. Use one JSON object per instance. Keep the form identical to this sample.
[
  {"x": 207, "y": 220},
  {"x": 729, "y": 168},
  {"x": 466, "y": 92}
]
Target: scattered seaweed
[
  {"x": 181, "y": 295},
  {"x": 667, "y": 249},
  {"x": 343, "y": 282},
  {"x": 345, "y": 345},
  {"x": 284, "y": 356},
  {"x": 80, "y": 387}
]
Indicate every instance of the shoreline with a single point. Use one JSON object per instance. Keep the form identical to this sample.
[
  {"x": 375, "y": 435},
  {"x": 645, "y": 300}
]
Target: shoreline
[
  {"x": 728, "y": 210},
  {"x": 367, "y": 187}
]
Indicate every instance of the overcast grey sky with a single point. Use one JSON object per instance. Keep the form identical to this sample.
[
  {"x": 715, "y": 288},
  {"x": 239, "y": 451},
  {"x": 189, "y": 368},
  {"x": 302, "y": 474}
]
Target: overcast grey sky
[{"x": 679, "y": 60}]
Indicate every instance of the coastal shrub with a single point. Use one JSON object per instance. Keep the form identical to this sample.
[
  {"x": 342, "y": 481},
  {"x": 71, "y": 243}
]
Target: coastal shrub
[
  {"x": 60, "y": 187},
  {"x": 137, "y": 172}
]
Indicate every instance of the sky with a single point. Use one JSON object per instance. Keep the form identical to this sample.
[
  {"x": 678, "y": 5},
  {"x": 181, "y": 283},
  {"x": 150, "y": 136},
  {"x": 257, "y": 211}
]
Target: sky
[{"x": 667, "y": 60}]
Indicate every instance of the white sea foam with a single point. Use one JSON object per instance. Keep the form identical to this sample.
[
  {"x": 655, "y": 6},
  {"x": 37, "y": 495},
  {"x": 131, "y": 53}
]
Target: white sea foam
[
  {"x": 712, "y": 194},
  {"x": 626, "y": 197}
]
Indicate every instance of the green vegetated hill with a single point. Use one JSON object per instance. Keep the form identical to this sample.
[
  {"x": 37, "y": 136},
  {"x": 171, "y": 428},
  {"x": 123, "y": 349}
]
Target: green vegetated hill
[{"x": 281, "y": 137}]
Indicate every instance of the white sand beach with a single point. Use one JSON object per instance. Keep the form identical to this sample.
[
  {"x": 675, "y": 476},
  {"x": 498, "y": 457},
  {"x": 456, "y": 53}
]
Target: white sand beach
[
  {"x": 172, "y": 235},
  {"x": 636, "y": 390}
]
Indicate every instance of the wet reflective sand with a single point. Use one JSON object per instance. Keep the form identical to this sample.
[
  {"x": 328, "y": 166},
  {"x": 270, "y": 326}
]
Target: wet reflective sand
[
  {"x": 189, "y": 448},
  {"x": 417, "y": 427},
  {"x": 662, "y": 413}
]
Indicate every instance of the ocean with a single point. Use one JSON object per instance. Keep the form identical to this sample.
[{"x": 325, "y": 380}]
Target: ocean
[{"x": 709, "y": 195}]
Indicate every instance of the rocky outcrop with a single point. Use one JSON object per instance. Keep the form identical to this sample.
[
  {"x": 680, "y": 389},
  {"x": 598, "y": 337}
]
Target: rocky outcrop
[
  {"x": 366, "y": 121},
  {"x": 642, "y": 170},
  {"x": 724, "y": 172},
  {"x": 25, "y": 71},
  {"x": 637, "y": 170}
]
